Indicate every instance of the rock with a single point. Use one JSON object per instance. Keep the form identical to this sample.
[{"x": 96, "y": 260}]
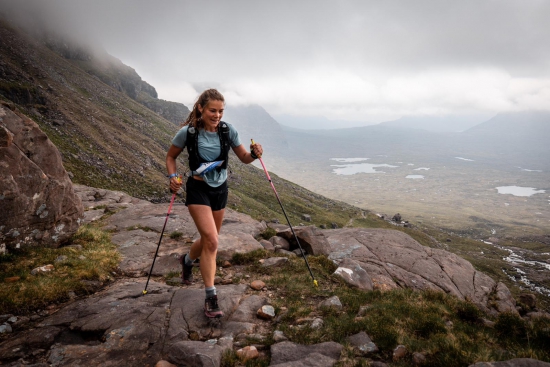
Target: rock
[
  {"x": 306, "y": 217},
  {"x": 418, "y": 358},
  {"x": 257, "y": 285},
  {"x": 285, "y": 252},
  {"x": 288, "y": 352},
  {"x": 274, "y": 261},
  {"x": 528, "y": 299},
  {"x": 538, "y": 314},
  {"x": 332, "y": 302},
  {"x": 354, "y": 275},
  {"x": 27, "y": 341},
  {"x": 317, "y": 323},
  {"x": 248, "y": 308},
  {"x": 311, "y": 360},
  {"x": 279, "y": 336},
  {"x": 195, "y": 353},
  {"x": 39, "y": 206},
  {"x": 504, "y": 300},
  {"x": 246, "y": 353},
  {"x": 279, "y": 241},
  {"x": 397, "y": 218},
  {"x": 267, "y": 245},
  {"x": 163, "y": 363},
  {"x": 392, "y": 259},
  {"x": 517, "y": 362},
  {"x": 362, "y": 343},
  {"x": 266, "y": 312},
  {"x": 42, "y": 269},
  {"x": 378, "y": 364},
  {"x": 226, "y": 264},
  {"x": 298, "y": 252},
  {"x": 488, "y": 323},
  {"x": 312, "y": 240},
  {"x": 5, "y": 328},
  {"x": 399, "y": 352}
]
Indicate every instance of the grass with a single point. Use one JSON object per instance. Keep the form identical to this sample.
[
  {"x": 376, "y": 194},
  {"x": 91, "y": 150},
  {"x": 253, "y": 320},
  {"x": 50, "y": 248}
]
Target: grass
[
  {"x": 96, "y": 260},
  {"x": 448, "y": 331}
]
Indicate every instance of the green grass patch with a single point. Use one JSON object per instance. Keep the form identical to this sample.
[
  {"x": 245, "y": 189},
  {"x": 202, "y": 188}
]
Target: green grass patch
[
  {"x": 176, "y": 235},
  {"x": 96, "y": 259}
]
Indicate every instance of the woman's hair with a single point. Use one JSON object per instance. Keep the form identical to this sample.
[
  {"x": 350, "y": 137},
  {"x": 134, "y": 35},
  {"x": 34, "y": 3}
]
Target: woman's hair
[{"x": 194, "y": 118}]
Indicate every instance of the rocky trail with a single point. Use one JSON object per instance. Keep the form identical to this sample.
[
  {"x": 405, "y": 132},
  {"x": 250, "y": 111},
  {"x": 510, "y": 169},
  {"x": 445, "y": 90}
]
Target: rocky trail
[{"x": 119, "y": 326}]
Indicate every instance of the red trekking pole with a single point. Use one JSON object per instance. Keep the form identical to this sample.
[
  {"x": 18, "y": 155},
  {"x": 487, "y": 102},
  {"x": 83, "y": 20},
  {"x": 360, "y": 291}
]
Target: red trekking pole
[
  {"x": 160, "y": 239},
  {"x": 288, "y": 221}
]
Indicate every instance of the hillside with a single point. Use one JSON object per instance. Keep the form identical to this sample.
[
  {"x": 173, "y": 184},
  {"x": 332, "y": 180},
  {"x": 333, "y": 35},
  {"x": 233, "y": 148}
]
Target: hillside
[{"x": 112, "y": 141}]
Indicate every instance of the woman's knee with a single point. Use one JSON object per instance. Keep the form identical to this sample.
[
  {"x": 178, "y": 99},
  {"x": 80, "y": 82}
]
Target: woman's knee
[{"x": 210, "y": 243}]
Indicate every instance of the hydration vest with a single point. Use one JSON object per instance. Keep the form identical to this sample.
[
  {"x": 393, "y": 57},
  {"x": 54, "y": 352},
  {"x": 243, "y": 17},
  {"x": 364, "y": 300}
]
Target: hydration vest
[{"x": 195, "y": 160}]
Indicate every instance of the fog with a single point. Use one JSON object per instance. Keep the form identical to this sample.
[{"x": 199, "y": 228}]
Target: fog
[{"x": 344, "y": 63}]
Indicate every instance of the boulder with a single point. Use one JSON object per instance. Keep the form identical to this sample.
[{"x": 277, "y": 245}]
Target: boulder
[
  {"x": 393, "y": 259},
  {"x": 312, "y": 240},
  {"x": 39, "y": 206},
  {"x": 352, "y": 272},
  {"x": 292, "y": 353},
  {"x": 279, "y": 241}
]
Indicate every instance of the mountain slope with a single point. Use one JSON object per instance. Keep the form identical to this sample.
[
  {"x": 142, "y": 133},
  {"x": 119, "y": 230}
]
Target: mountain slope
[{"x": 108, "y": 140}]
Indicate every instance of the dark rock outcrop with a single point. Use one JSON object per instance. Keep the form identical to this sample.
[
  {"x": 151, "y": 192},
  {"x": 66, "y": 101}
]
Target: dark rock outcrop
[
  {"x": 39, "y": 206},
  {"x": 311, "y": 239}
]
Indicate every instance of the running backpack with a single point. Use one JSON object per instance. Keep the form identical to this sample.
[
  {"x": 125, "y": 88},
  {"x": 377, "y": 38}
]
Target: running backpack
[{"x": 195, "y": 160}]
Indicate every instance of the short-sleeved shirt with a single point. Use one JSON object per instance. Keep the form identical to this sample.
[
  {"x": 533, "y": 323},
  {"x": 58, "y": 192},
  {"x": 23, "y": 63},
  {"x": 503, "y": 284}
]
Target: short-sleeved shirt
[{"x": 209, "y": 150}]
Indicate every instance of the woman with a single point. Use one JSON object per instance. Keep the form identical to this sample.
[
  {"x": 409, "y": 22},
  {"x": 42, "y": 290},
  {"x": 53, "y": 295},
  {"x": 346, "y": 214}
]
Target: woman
[{"x": 206, "y": 192}]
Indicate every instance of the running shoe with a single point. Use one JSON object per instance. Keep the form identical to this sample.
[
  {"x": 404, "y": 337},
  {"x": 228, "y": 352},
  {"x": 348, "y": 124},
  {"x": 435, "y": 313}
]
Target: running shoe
[
  {"x": 211, "y": 308},
  {"x": 187, "y": 272}
]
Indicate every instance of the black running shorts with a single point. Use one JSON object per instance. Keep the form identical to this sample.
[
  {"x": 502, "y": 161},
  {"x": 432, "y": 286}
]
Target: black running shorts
[{"x": 200, "y": 193}]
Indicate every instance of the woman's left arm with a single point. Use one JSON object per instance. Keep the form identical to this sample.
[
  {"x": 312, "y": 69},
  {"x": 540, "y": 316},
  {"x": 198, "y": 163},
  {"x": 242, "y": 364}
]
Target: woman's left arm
[{"x": 245, "y": 156}]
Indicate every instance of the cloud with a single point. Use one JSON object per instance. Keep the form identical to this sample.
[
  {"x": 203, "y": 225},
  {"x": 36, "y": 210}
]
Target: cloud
[{"x": 352, "y": 59}]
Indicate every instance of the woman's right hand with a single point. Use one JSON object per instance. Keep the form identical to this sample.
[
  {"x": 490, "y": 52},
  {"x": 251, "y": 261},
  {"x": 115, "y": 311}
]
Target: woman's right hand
[{"x": 175, "y": 184}]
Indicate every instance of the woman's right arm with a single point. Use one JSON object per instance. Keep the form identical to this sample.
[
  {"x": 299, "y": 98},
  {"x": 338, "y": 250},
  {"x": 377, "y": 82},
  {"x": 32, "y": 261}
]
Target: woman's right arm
[{"x": 171, "y": 156}]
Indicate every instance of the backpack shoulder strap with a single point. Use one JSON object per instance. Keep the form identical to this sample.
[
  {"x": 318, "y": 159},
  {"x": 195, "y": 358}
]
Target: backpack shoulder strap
[{"x": 192, "y": 143}]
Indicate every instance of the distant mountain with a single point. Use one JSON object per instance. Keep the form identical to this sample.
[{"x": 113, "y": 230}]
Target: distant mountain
[
  {"x": 452, "y": 123},
  {"x": 511, "y": 139},
  {"x": 519, "y": 138},
  {"x": 253, "y": 122},
  {"x": 316, "y": 123}
]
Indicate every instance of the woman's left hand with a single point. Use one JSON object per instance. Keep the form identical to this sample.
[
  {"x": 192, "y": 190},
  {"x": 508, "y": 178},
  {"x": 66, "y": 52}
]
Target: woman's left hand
[{"x": 256, "y": 149}]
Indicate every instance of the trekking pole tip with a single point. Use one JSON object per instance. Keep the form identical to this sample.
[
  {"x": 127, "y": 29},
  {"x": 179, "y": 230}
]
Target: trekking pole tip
[
  {"x": 315, "y": 283},
  {"x": 144, "y": 292}
]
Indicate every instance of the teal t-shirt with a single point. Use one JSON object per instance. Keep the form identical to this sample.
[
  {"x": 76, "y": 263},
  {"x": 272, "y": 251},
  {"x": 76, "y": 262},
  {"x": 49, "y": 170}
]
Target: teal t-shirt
[{"x": 209, "y": 150}]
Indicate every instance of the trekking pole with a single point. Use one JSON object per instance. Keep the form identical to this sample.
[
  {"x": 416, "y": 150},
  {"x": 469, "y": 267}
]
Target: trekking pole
[
  {"x": 160, "y": 239},
  {"x": 288, "y": 221}
]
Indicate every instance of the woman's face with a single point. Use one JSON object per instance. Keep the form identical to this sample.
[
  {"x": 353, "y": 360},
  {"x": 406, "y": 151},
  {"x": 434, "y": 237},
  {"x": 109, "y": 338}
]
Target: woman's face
[{"x": 211, "y": 114}]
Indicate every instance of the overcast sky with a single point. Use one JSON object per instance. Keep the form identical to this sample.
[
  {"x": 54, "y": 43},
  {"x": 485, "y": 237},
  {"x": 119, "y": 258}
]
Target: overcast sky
[{"x": 366, "y": 61}]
